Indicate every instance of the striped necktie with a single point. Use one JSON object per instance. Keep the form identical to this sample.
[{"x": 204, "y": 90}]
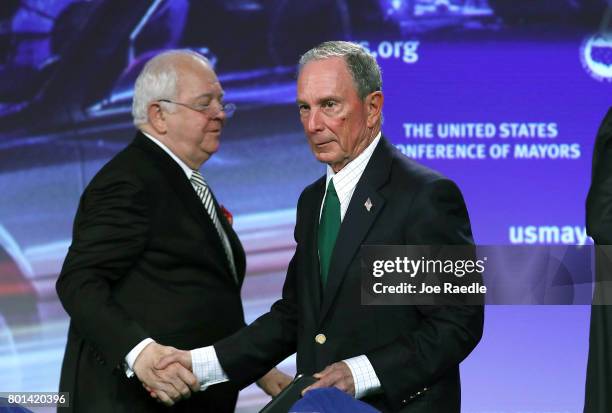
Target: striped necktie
[{"x": 203, "y": 191}]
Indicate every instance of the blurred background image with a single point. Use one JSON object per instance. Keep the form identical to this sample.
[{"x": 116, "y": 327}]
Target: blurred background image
[{"x": 503, "y": 96}]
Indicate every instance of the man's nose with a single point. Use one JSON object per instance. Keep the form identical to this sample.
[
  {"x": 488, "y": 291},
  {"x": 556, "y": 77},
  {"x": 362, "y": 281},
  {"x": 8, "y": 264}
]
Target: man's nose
[
  {"x": 219, "y": 112},
  {"x": 313, "y": 122}
]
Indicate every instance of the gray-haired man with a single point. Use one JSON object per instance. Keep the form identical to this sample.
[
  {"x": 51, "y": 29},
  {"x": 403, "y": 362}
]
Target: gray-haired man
[
  {"x": 154, "y": 264},
  {"x": 395, "y": 358}
]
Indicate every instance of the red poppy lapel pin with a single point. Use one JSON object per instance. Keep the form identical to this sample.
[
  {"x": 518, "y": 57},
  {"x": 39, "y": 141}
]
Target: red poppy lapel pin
[{"x": 228, "y": 215}]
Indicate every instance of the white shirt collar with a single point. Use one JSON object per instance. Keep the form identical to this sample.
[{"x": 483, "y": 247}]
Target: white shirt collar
[
  {"x": 188, "y": 171},
  {"x": 346, "y": 179}
]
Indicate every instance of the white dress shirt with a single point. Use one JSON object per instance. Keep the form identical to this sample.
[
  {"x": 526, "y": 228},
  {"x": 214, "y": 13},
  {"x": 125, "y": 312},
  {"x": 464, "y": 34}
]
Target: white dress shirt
[
  {"x": 345, "y": 182},
  {"x": 135, "y": 352},
  {"x": 206, "y": 366}
]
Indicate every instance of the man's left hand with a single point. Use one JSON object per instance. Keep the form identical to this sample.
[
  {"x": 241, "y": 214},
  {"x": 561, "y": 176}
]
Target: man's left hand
[
  {"x": 274, "y": 382},
  {"x": 336, "y": 375}
]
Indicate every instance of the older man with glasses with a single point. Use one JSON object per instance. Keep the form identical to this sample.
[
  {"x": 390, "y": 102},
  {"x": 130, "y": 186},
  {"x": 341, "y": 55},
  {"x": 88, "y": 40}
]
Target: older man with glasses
[{"x": 154, "y": 264}]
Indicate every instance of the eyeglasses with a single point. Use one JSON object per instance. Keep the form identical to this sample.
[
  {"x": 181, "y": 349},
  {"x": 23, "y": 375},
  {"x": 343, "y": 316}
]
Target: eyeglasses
[{"x": 228, "y": 108}]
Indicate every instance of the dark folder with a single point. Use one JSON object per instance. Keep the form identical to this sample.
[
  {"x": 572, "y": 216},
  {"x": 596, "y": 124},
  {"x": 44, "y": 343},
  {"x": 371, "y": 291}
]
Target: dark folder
[{"x": 291, "y": 394}]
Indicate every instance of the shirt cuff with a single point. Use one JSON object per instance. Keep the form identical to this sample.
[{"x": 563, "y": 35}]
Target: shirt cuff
[
  {"x": 206, "y": 367},
  {"x": 364, "y": 376},
  {"x": 131, "y": 357}
]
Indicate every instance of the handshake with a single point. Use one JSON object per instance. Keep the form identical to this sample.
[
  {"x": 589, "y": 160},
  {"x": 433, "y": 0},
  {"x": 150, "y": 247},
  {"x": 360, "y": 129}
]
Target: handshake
[{"x": 166, "y": 373}]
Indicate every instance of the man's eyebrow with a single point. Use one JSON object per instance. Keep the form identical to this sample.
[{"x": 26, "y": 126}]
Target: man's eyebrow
[
  {"x": 320, "y": 100},
  {"x": 328, "y": 98},
  {"x": 209, "y": 95}
]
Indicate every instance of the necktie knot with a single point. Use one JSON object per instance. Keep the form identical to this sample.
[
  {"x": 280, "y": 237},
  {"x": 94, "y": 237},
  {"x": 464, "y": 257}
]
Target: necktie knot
[
  {"x": 197, "y": 178},
  {"x": 331, "y": 190}
]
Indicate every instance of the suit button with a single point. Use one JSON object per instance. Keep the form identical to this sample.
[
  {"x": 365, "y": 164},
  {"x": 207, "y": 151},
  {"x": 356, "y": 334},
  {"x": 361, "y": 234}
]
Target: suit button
[{"x": 320, "y": 338}]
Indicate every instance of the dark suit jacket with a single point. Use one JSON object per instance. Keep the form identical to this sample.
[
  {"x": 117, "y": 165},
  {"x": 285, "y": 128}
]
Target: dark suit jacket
[
  {"x": 145, "y": 261},
  {"x": 599, "y": 200},
  {"x": 411, "y": 348},
  {"x": 598, "y": 398}
]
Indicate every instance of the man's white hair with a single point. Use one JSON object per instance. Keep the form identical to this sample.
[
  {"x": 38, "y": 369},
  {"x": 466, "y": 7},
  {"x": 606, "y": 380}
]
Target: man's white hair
[{"x": 159, "y": 80}]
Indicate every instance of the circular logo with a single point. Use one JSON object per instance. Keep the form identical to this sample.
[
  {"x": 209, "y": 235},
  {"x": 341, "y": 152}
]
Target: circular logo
[{"x": 596, "y": 56}]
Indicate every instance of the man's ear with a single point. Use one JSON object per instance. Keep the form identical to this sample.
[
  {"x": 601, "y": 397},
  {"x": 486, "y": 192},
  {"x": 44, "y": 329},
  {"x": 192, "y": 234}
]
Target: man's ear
[
  {"x": 374, "y": 102},
  {"x": 157, "y": 118}
]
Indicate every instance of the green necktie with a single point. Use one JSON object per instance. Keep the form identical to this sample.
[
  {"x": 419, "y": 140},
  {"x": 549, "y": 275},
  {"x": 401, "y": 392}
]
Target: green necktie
[{"x": 328, "y": 229}]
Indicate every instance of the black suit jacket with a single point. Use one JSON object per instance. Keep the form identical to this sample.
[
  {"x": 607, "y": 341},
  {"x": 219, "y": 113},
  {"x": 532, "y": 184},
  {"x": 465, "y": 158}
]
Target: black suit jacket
[
  {"x": 415, "y": 351},
  {"x": 145, "y": 261},
  {"x": 598, "y": 398}
]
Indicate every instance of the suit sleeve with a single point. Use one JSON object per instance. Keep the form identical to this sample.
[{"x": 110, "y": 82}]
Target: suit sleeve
[
  {"x": 599, "y": 199},
  {"x": 110, "y": 233},
  {"x": 253, "y": 351},
  {"x": 447, "y": 333}
]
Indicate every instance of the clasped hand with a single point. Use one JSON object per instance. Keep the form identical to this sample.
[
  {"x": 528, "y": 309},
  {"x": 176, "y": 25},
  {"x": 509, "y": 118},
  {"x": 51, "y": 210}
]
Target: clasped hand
[
  {"x": 168, "y": 385},
  {"x": 166, "y": 374}
]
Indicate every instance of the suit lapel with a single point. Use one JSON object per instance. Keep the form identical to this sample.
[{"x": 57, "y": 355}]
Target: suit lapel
[
  {"x": 358, "y": 220},
  {"x": 311, "y": 229},
  {"x": 237, "y": 250},
  {"x": 181, "y": 185}
]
